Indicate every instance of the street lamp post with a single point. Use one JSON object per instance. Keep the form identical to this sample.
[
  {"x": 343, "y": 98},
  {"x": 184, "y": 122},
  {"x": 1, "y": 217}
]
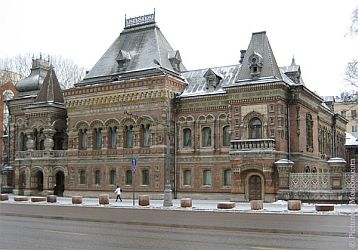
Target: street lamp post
[{"x": 168, "y": 200}]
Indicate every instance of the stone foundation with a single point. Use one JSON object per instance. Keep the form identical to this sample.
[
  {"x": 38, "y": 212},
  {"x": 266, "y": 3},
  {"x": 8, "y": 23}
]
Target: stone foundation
[
  {"x": 103, "y": 199},
  {"x": 324, "y": 207},
  {"x": 256, "y": 204},
  {"x": 21, "y": 198},
  {"x": 51, "y": 198},
  {"x": 76, "y": 199},
  {"x": 226, "y": 205},
  {"x": 143, "y": 200},
  {"x": 4, "y": 197},
  {"x": 186, "y": 202},
  {"x": 38, "y": 199},
  {"x": 294, "y": 205}
]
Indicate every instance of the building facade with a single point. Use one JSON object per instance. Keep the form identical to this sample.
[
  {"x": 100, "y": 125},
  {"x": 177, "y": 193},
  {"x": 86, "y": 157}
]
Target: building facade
[
  {"x": 233, "y": 132},
  {"x": 348, "y": 109}
]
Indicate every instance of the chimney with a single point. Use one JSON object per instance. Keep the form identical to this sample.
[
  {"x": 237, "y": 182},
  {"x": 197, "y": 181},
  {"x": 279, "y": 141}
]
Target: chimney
[{"x": 243, "y": 52}]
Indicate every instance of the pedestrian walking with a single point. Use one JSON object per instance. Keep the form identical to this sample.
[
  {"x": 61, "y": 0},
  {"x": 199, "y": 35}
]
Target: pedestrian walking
[{"x": 118, "y": 192}]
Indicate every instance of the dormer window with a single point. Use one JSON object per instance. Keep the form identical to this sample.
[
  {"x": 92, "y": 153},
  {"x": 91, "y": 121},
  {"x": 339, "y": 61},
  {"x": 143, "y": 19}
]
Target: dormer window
[
  {"x": 255, "y": 64},
  {"x": 212, "y": 79},
  {"x": 123, "y": 59},
  {"x": 175, "y": 59}
]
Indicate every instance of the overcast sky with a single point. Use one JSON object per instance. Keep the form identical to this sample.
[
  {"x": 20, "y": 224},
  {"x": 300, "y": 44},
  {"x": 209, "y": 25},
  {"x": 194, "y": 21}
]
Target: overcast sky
[{"x": 207, "y": 33}]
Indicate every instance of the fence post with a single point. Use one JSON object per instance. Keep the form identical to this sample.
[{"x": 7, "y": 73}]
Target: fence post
[
  {"x": 336, "y": 169},
  {"x": 284, "y": 167}
]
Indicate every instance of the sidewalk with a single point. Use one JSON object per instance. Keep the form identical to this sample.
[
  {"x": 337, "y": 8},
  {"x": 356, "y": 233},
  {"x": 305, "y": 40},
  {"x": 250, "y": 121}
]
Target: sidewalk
[{"x": 278, "y": 207}]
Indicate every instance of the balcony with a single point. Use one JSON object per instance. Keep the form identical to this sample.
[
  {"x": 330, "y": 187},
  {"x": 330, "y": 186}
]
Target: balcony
[
  {"x": 253, "y": 145},
  {"x": 40, "y": 154}
]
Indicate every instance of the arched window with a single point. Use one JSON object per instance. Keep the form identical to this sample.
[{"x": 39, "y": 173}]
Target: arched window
[
  {"x": 255, "y": 128},
  {"x": 307, "y": 169},
  {"x": 187, "y": 137},
  {"x": 187, "y": 178},
  {"x": 129, "y": 136},
  {"x": 129, "y": 177},
  {"x": 82, "y": 177},
  {"x": 23, "y": 140},
  {"x": 226, "y": 136},
  {"x": 207, "y": 179},
  {"x": 112, "y": 137},
  {"x": 314, "y": 170},
  {"x": 206, "y": 137},
  {"x": 145, "y": 135},
  {"x": 98, "y": 138},
  {"x": 36, "y": 138},
  {"x": 112, "y": 177},
  {"x": 227, "y": 177},
  {"x": 97, "y": 177},
  {"x": 83, "y": 139},
  {"x": 309, "y": 132}
]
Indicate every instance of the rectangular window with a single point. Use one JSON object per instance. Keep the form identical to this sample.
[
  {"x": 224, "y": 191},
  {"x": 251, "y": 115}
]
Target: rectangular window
[
  {"x": 207, "y": 177},
  {"x": 82, "y": 177},
  {"x": 129, "y": 177},
  {"x": 354, "y": 113},
  {"x": 97, "y": 177},
  {"x": 227, "y": 177},
  {"x": 272, "y": 120},
  {"x": 272, "y": 108},
  {"x": 187, "y": 178},
  {"x": 145, "y": 177},
  {"x": 206, "y": 137},
  {"x": 354, "y": 128},
  {"x": 112, "y": 177}
]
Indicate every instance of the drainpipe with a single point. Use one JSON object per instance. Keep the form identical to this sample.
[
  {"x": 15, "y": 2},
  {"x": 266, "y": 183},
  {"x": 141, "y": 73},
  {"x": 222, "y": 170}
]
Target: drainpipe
[
  {"x": 175, "y": 154},
  {"x": 290, "y": 97},
  {"x": 334, "y": 149},
  {"x": 176, "y": 134}
]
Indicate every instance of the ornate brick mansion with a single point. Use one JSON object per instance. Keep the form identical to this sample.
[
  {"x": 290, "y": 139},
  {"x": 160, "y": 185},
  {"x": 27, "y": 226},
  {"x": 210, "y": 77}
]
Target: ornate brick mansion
[{"x": 232, "y": 132}]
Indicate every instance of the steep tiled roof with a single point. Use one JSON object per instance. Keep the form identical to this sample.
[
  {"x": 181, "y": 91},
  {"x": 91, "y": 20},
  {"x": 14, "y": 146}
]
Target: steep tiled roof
[
  {"x": 50, "y": 91},
  {"x": 259, "y": 45},
  {"x": 197, "y": 84},
  {"x": 137, "y": 48}
]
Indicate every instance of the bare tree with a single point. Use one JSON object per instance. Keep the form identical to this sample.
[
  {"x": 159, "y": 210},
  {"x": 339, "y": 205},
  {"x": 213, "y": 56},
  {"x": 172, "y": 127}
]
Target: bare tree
[
  {"x": 351, "y": 74},
  {"x": 68, "y": 73},
  {"x": 354, "y": 26}
]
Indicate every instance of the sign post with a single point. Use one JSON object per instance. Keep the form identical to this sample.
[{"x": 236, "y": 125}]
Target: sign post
[{"x": 134, "y": 169}]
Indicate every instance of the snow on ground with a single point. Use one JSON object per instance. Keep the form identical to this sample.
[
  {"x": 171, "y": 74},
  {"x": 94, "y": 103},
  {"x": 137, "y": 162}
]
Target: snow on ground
[{"x": 278, "y": 207}]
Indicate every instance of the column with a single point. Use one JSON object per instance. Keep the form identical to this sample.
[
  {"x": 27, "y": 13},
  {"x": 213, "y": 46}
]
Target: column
[
  {"x": 48, "y": 143},
  {"x": 284, "y": 167},
  {"x": 336, "y": 169}
]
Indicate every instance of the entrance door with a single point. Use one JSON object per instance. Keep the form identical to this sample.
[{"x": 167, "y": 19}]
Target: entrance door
[
  {"x": 255, "y": 188},
  {"x": 60, "y": 183},
  {"x": 40, "y": 181}
]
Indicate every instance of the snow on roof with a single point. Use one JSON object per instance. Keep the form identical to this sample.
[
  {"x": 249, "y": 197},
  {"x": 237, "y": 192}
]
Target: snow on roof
[
  {"x": 197, "y": 84},
  {"x": 351, "y": 140}
]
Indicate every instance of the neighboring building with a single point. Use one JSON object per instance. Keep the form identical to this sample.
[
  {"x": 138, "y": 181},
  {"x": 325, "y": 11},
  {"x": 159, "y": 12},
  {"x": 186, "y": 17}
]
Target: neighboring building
[
  {"x": 8, "y": 92},
  {"x": 234, "y": 131},
  {"x": 349, "y": 110},
  {"x": 351, "y": 149}
]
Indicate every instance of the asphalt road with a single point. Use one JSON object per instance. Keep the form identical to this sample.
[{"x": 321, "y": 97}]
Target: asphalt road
[{"x": 56, "y": 227}]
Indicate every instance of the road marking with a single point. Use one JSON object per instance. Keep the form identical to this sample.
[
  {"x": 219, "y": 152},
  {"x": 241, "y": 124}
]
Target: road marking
[
  {"x": 63, "y": 232},
  {"x": 268, "y": 248}
]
